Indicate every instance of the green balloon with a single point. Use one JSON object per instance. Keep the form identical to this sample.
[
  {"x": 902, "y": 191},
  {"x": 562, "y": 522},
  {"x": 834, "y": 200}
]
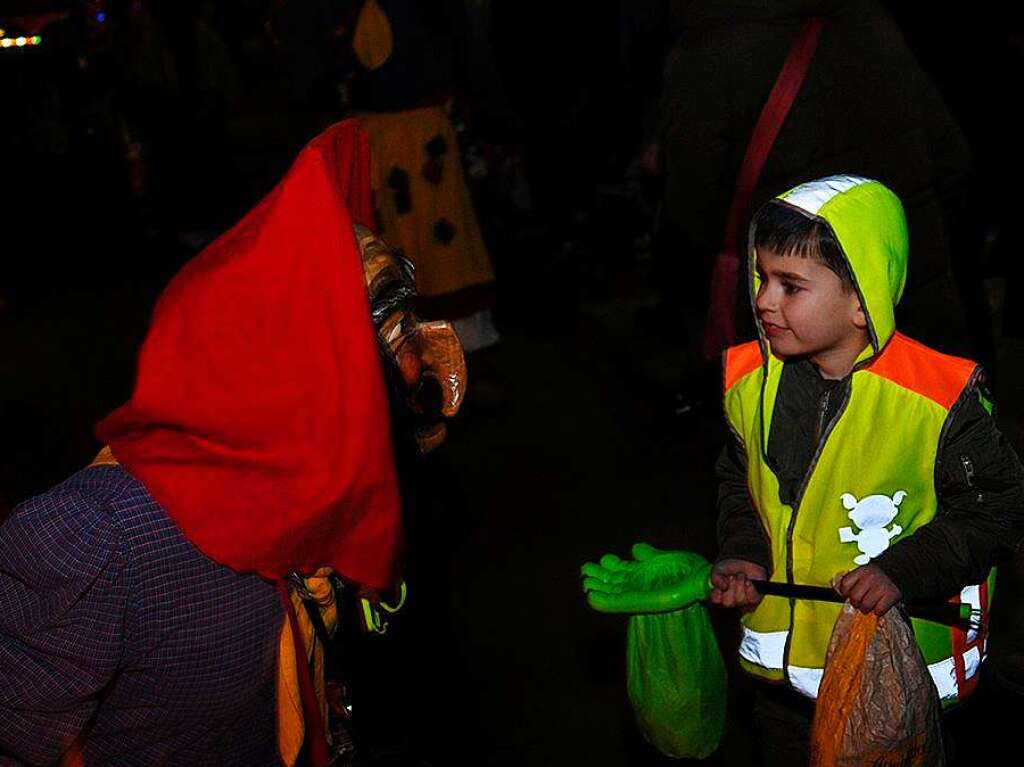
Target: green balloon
[{"x": 655, "y": 581}]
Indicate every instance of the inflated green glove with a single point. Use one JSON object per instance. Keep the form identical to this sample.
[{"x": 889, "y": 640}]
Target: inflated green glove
[{"x": 655, "y": 581}]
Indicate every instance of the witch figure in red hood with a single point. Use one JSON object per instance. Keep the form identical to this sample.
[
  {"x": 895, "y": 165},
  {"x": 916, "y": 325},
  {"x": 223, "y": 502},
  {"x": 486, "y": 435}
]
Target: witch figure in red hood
[{"x": 147, "y": 603}]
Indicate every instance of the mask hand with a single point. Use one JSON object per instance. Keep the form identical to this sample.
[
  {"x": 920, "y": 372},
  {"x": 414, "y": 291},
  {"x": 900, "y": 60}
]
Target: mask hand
[{"x": 655, "y": 581}]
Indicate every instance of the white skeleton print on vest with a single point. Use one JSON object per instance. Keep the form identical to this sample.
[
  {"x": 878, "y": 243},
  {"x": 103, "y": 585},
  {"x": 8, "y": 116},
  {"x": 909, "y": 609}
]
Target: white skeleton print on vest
[{"x": 872, "y": 516}]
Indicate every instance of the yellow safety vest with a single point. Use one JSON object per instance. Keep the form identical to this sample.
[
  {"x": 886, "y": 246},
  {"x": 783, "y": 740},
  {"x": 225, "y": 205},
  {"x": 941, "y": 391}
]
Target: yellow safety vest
[{"x": 871, "y": 483}]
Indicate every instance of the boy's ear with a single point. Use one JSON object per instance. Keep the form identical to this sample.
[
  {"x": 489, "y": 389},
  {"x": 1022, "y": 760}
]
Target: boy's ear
[{"x": 860, "y": 319}]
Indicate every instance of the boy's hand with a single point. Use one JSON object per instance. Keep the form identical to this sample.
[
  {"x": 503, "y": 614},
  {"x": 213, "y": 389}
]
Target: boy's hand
[
  {"x": 869, "y": 589},
  {"x": 732, "y": 587}
]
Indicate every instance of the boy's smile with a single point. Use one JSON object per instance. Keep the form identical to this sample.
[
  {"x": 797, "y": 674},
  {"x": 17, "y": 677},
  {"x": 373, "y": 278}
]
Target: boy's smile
[{"x": 805, "y": 311}]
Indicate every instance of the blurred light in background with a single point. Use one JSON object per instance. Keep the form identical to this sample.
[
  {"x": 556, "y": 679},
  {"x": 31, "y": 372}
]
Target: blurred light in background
[{"x": 20, "y": 42}]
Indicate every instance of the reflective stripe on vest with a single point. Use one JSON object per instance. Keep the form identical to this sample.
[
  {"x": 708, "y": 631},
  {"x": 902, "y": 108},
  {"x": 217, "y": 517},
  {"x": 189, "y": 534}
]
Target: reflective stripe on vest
[
  {"x": 766, "y": 650},
  {"x": 876, "y": 486}
]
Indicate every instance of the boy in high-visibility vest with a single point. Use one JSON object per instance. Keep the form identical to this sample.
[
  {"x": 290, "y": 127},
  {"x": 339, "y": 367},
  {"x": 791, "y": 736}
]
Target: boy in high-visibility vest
[{"x": 861, "y": 457}]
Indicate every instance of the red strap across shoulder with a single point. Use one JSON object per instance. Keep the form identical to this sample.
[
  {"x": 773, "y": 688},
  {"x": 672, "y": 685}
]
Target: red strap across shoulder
[
  {"x": 720, "y": 327},
  {"x": 780, "y": 101}
]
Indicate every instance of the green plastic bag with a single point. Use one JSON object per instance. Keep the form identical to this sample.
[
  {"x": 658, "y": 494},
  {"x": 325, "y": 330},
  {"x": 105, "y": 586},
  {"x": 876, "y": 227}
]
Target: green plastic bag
[
  {"x": 676, "y": 680},
  {"x": 675, "y": 674}
]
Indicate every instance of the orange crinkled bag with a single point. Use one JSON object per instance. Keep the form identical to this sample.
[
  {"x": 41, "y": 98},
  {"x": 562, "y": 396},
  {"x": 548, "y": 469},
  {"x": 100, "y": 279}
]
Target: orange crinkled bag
[{"x": 877, "y": 705}]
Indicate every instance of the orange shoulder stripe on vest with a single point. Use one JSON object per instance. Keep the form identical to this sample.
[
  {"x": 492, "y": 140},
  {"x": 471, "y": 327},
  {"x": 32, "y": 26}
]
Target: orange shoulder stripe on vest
[
  {"x": 932, "y": 374},
  {"x": 740, "y": 360}
]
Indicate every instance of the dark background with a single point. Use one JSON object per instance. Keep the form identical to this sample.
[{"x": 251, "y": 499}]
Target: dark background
[{"x": 128, "y": 143}]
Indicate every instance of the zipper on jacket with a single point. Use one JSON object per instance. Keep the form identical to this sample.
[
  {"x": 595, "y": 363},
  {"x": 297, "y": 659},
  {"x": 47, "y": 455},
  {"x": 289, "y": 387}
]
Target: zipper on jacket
[
  {"x": 822, "y": 438},
  {"x": 968, "y": 470},
  {"x": 824, "y": 430},
  {"x": 822, "y": 412},
  {"x": 944, "y": 432},
  {"x": 968, "y": 465}
]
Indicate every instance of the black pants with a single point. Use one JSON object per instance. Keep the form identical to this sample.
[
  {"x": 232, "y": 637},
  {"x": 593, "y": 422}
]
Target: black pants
[{"x": 783, "y": 721}]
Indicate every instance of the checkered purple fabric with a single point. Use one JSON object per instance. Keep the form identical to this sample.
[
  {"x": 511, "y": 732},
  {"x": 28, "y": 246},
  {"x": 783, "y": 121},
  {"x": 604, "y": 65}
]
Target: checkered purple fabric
[{"x": 113, "y": 624}]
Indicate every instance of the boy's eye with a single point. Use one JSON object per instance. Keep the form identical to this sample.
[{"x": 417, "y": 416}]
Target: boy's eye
[{"x": 789, "y": 288}]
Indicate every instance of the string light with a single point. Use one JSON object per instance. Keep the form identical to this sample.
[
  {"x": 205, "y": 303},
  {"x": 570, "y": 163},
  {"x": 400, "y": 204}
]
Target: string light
[{"x": 20, "y": 42}]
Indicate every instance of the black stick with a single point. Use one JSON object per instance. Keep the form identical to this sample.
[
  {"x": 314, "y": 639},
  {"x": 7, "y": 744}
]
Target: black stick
[{"x": 939, "y": 612}]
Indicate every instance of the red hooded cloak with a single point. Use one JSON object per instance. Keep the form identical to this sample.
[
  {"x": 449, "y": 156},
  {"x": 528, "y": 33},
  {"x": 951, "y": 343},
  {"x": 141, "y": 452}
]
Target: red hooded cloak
[{"x": 259, "y": 418}]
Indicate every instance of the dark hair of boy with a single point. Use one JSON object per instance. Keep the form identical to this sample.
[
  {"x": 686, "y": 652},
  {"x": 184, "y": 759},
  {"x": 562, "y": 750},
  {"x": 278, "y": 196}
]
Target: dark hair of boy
[{"x": 788, "y": 232}]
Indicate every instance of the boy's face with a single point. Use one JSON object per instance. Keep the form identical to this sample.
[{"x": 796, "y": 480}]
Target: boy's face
[{"x": 805, "y": 311}]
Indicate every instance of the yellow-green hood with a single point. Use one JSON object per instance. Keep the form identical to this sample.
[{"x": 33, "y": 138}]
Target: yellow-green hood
[{"x": 868, "y": 223}]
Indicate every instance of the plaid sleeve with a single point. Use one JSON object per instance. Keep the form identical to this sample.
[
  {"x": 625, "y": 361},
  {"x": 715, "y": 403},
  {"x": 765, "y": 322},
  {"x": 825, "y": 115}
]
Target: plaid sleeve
[{"x": 62, "y": 601}]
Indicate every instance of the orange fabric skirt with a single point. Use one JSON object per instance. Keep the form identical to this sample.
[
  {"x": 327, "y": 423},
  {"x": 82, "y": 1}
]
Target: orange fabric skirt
[{"x": 422, "y": 202}]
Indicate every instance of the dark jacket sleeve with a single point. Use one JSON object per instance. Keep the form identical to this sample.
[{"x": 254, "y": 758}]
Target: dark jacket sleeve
[
  {"x": 740, "y": 532},
  {"x": 980, "y": 519},
  {"x": 62, "y": 599}
]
